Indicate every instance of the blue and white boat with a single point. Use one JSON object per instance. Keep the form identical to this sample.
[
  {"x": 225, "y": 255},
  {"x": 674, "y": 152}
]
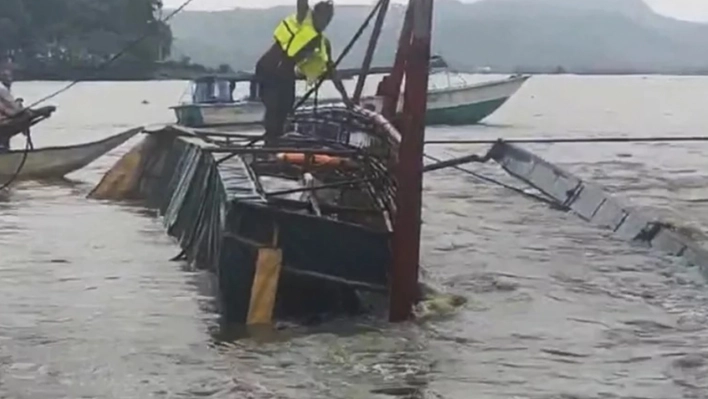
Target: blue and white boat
[{"x": 212, "y": 102}]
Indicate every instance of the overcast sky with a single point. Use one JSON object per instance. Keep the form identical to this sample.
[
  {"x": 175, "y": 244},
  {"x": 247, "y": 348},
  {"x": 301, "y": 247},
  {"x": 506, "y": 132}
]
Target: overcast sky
[{"x": 683, "y": 9}]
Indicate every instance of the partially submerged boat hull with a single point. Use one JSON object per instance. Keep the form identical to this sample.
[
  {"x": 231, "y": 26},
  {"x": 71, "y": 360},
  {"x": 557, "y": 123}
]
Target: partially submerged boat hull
[
  {"x": 56, "y": 162},
  {"x": 320, "y": 263},
  {"x": 595, "y": 205},
  {"x": 272, "y": 259},
  {"x": 465, "y": 105}
]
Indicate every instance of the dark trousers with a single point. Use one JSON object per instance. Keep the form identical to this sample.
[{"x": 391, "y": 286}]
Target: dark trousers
[{"x": 277, "y": 93}]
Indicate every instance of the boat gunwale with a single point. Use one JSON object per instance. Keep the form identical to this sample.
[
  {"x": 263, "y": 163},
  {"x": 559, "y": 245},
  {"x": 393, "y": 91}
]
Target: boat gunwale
[
  {"x": 512, "y": 79},
  {"x": 231, "y": 104},
  {"x": 134, "y": 131},
  {"x": 392, "y": 134}
]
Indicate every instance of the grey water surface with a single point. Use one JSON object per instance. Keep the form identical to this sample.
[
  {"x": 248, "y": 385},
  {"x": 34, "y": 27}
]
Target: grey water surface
[{"x": 91, "y": 306}]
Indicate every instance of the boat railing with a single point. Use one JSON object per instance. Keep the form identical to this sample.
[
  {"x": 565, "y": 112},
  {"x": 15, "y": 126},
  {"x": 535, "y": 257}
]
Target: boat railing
[
  {"x": 357, "y": 127},
  {"x": 364, "y": 141}
]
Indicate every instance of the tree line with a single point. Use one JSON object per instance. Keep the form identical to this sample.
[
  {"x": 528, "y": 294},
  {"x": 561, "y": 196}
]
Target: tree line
[{"x": 74, "y": 37}]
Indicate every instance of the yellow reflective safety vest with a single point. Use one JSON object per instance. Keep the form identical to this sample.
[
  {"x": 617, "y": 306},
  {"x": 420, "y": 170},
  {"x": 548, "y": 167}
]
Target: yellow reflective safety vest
[{"x": 293, "y": 37}]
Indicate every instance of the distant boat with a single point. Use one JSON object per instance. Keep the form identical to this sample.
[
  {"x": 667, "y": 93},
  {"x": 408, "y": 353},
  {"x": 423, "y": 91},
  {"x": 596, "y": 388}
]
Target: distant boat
[
  {"x": 212, "y": 102},
  {"x": 470, "y": 104}
]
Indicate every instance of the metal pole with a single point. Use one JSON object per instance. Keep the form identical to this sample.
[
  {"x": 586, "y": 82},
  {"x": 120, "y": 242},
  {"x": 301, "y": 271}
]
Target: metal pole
[
  {"x": 409, "y": 173},
  {"x": 373, "y": 41},
  {"x": 390, "y": 86}
]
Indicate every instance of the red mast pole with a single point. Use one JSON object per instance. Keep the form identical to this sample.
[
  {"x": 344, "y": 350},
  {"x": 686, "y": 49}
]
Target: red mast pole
[{"x": 404, "y": 289}]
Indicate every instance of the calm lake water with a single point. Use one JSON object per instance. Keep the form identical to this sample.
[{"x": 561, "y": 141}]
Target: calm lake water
[{"x": 90, "y": 306}]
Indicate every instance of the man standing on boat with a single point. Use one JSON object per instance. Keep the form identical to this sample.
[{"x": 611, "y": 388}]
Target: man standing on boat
[
  {"x": 9, "y": 107},
  {"x": 299, "y": 45},
  {"x": 14, "y": 117}
]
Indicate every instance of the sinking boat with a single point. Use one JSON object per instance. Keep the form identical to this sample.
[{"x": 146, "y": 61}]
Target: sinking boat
[
  {"x": 32, "y": 163},
  {"x": 325, "y": 219},
  {"x": 212, "y": 103},
  {"x": 299, "y": 229}
]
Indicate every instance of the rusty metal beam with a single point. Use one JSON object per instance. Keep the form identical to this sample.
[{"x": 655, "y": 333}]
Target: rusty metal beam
[
  {"x": 373, "y": 41},
  {"x": 409, "y": 172}
]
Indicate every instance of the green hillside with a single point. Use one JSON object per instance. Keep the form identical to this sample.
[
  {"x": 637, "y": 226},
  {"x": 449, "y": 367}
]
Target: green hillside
[{"x": 506, "y": 35}]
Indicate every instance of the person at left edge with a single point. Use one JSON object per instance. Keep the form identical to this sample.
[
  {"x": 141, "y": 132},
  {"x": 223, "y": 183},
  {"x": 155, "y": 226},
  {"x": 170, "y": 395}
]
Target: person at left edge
[
  {"x": 9, "y": 106},
  {"x": 299, "y": 46}
]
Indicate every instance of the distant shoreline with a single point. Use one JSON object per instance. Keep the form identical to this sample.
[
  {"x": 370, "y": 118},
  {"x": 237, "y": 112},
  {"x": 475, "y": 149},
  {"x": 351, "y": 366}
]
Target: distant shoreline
[
  {"x": 185, "y": 70},
  {"x": 164, "y": 71},
  {"x": 172, "y": 75}
]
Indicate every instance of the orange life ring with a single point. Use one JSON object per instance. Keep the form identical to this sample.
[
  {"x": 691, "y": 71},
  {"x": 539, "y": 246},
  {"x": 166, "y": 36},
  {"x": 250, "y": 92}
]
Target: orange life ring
[{"x": 317, "y": 159}]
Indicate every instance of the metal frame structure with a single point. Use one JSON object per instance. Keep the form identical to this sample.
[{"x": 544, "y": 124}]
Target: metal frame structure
[{"x": 412, "y": 62}]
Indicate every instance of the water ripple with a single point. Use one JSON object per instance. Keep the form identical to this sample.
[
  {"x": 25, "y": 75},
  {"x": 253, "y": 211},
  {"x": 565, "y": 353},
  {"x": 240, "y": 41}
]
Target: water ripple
[{"x": 556, "y": 309}]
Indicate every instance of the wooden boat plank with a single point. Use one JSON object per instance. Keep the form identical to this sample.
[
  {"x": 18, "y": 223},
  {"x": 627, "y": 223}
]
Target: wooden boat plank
[
  {"x": 190, "y": 158},
  {"x": 320, "y": 245},
  {"x": 238, "y": 181},
  {"x": 610, "y": 215},
  {"x": 633, "y": 226},
  {"x": 588, "y": 201}
]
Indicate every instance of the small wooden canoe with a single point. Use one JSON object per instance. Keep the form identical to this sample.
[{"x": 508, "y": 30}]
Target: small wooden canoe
[{"x": 56, "y": 162}]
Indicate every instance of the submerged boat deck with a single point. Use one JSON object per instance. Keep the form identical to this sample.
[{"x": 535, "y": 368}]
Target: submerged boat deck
[{"x": 234, "y": 209}]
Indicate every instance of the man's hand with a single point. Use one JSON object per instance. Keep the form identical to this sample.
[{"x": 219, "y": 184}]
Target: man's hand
[{"x": 302, "y": 8}]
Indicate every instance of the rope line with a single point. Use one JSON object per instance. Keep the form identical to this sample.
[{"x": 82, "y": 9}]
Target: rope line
[
  {"x": 29, "y": 146},
  {"x": 559, "y": 140},
  {"x": 495, "y": 182}
]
